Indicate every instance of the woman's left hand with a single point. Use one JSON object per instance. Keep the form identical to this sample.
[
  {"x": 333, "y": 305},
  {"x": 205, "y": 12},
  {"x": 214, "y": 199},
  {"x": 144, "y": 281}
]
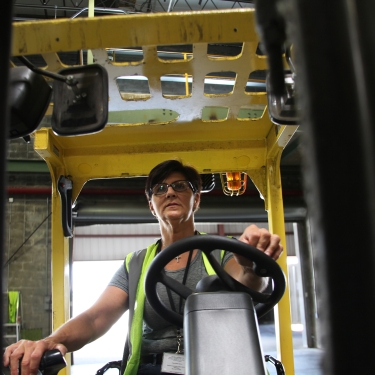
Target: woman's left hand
[{"x": 263, "y": 240}]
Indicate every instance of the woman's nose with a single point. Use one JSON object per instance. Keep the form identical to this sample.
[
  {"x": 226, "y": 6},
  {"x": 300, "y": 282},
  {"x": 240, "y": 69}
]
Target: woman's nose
[{"x": 170, "y": 191}]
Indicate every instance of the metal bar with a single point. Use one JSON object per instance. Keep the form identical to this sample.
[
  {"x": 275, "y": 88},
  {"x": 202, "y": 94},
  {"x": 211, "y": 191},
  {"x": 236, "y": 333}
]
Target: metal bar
[
  {"x": 52, "y": 7},
  {"x": 305, "y": 256},
  {"x": 275, "y": 208},
  {"x": 214, "y": 4},
  {"x": 187, "y": 3},
  {"x": 362, "y": 36},
  {"x": 90, "y": 57},
  {"x": 163, "y": 29},
  {"x": 71, "y": 9},
  {"x": 171, "y": 5},
  {"x": 335, "y": 56},
  {"x": 60, "y": 270},
  {"x": 99, "y": 10},
  {"x": 5, "y": 32},
  {"x": 161, "y": 5}
]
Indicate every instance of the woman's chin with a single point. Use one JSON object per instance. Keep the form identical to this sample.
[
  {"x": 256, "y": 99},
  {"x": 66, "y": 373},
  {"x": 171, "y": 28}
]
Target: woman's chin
[{"x": 176, "y": 216}]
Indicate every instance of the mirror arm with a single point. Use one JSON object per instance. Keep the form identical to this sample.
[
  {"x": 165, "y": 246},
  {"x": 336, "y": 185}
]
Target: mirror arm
[
  {"x": 272, "y": 29},
  {"x": 27, "y": 63},
  {"x": 69, "y": 80}
]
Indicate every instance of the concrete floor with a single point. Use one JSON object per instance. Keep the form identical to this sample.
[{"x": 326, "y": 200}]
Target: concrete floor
[{"x": 306, "y": 360}]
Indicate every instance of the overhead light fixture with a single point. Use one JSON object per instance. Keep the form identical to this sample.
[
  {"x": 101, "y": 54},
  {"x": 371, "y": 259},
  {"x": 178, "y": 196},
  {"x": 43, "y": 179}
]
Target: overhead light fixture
[{"x": 233, "y": 183}]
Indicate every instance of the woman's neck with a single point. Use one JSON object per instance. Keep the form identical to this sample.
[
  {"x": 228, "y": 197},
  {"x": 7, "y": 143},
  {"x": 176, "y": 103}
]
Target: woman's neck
[{"x": 170, "y": 235}]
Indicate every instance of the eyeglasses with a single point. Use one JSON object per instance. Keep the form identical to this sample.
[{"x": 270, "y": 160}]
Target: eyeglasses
[{"x": 178, "y": 186}]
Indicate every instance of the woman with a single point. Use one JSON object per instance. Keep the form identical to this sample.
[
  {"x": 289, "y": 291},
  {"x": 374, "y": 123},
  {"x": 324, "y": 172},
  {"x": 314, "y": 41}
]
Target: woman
[{"x": 173, "y": 193}]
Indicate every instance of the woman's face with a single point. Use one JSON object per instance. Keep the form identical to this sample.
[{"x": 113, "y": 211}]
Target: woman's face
[{"x": 174, "y": 205}]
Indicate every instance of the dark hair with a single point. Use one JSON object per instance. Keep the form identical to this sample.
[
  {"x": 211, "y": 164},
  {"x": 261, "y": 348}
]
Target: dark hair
[{"x": 164, "y": 169}]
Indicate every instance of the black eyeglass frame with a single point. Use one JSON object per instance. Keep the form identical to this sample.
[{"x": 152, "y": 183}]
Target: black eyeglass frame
[{"x": 171, "y": 185}]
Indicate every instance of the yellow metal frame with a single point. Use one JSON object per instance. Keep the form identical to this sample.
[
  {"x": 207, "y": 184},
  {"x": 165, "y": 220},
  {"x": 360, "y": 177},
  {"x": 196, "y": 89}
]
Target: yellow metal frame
[{"x": 128, "y": 150}]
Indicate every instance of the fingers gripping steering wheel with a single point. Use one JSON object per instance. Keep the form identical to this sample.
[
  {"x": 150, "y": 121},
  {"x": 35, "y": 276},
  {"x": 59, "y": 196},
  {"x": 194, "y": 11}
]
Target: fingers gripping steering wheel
[{"x": 265, "y": 266}]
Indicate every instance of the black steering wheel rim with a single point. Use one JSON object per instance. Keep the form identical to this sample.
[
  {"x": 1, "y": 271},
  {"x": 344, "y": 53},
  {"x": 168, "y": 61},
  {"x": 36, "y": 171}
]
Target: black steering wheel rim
[{"x": 265, "y": 266}]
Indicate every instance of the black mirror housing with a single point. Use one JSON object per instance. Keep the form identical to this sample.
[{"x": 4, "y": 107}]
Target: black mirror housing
[
  {"x": 29, "y": 97},
  {"x": 81, "y": 108}
]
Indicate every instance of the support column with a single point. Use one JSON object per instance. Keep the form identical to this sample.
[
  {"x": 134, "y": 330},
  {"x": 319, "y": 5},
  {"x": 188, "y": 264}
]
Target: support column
[
  {"x": 5, "y": 38},
  {"x": 91, "y": 13},
  {"x": 60, "y": 273},
  {"x": 304, "y": 254},
  {"x": 336, "y": 56},
  {"x": 275, "y": 208}
]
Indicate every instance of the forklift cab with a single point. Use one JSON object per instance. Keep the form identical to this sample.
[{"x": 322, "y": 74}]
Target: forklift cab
[{"x": 228, "y": 132}]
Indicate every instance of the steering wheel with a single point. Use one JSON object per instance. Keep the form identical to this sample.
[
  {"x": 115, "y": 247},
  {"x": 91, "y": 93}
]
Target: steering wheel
[{"x": 264, "y": 266}]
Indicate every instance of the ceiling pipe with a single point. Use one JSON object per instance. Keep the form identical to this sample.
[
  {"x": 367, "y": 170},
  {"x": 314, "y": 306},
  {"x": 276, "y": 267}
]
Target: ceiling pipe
[
  {"x": 125, "y": 192},
  {"x": 51, "y": 7},
  {"x": 101, "y": 10},
  {"x": 230, "y": 209},
  {"x": 77, "y": 11},
  {"x": 29, "y": 191},
  {"x": 90, "y": 213}
]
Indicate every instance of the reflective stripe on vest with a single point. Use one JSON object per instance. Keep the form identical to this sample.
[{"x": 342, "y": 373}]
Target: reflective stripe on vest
[{"x": 136, "y": 321}]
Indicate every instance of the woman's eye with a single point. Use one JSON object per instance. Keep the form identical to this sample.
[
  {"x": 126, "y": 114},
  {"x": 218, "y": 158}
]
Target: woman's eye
[
  {"x": 158, "y": 189},
  {"x": 180, "y": 185}
]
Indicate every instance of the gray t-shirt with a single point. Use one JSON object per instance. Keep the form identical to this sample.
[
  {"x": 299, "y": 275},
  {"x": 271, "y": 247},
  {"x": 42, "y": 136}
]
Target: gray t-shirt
[{"x": 159, "y": 336}]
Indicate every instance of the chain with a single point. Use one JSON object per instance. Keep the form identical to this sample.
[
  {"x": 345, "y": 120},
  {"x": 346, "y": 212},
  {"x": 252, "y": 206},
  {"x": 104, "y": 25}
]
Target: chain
[{"x": 179, "y": 342}]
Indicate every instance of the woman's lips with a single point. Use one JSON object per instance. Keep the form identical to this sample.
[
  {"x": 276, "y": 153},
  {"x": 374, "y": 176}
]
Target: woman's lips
[{"x": 172, "y": 204}]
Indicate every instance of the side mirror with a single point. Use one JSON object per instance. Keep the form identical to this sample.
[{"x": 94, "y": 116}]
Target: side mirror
[
  {"x": 80, "y": 99},
  {"x": 81, "y": 102},
  {"x": 29, "y": 97},
  {"x": 283, "y": 109}
]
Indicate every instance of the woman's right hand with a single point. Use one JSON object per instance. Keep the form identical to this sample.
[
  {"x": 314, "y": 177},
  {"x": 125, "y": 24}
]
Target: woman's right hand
[
  {"x": 27, "y": 355},
  {"x": 75, "y": 333}
]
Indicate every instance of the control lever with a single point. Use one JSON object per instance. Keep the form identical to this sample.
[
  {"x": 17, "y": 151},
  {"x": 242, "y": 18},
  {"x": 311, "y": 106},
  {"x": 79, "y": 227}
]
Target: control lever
[
  {"x": 50, "y": 364},
  {"x": 278, "y": 365}
]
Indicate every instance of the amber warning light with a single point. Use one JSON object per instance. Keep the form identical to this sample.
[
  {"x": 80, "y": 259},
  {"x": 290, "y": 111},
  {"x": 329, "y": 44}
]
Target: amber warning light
[{"x": 233, "y": 183}]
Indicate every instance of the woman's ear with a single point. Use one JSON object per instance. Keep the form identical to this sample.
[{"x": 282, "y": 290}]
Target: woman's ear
[
  {"x": 197, "y": 200},
  {"x": 151, "y": 208}
]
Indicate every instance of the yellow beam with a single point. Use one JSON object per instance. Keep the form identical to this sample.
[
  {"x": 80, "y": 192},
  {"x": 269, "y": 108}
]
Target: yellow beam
[
  {"x": 278, "y": 138},
  {"x": 60, "y": 269},
  {"x": 133, "y": 30},
  {"x": 283, "y": 319},
  {"x": 230, "y": 130},
  {"x": 113, "y": 157}
]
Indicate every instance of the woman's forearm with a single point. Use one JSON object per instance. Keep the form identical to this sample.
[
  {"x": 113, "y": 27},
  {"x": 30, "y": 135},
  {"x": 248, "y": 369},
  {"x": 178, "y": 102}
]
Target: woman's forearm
[
  {"x": 75, "y": 333},
  {"x": 92, "y": 323}
]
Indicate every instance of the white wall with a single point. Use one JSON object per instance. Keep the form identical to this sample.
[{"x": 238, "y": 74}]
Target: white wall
[{"x": 114, "y": 242}]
